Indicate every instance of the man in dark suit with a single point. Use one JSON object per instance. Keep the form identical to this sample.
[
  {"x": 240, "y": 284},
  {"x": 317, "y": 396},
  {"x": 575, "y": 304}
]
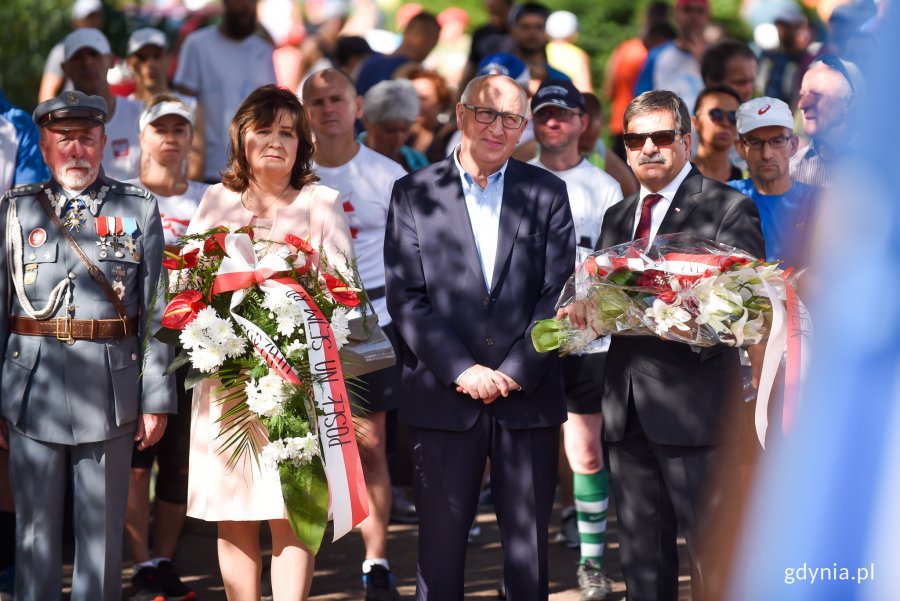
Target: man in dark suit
[
  {"x": 477, "y": 248},
  {"x": 666, "y": 404}
]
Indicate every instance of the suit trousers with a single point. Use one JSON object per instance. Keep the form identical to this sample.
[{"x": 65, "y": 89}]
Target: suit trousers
[
  {"x": 100, "y": 477},
  {"x": 447, "y": 473},
  {"x": 658, "y": 490}
]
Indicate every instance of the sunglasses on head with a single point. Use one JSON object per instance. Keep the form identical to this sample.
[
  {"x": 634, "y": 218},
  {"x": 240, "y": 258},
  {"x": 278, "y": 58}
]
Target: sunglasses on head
[
  {"x": 720, "y": 115},
  {"x": 833, "y": 62},
  {"x": 663, "y": 137}
]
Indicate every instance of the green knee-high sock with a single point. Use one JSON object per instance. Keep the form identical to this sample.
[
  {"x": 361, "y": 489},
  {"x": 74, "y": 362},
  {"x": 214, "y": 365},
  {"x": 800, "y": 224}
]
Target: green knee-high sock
[{"x": 591, "y": 501}]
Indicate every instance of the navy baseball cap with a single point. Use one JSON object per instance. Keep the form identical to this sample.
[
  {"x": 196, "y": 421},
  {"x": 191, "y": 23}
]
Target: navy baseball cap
[
  {"x": 504, "y": 63},
  {"x": 557, "y": 92}
]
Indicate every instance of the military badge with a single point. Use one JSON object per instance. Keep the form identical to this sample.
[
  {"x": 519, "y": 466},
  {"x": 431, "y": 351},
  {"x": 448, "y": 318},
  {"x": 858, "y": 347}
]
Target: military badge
[
  {"x": 130, "y": 228},
  {"x": 72, "y": 99},
  {"x": 30, "y": 274},
  {"x": 119, "y": 273},
  {"x": 37, "y": 237},
  {"x": 103, "y": 244}
]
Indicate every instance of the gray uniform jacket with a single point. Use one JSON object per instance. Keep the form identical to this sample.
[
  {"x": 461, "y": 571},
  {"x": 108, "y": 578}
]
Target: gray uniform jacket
[{"x": 91, "y": 390}]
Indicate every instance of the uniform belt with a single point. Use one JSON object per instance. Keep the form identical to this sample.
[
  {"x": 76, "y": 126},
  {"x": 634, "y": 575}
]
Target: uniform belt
[{"x": 68, "y": 329}]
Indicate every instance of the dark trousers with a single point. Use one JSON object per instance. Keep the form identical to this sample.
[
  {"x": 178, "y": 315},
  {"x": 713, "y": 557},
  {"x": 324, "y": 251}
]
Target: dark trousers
[
  {"x": 447, "y": 474},
  {"x": 658, "y": 490}
]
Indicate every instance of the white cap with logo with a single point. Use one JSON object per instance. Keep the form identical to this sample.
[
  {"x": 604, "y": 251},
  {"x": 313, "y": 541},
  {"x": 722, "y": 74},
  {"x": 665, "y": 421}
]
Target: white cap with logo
[
  {"x": 161, "y": 109},
  {"x": 763, "y": 112}
]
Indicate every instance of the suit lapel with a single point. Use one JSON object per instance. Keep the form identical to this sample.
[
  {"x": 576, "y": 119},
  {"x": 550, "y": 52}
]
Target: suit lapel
[
  {"x": 683, "y": 204},
  {"x": 449, "y": 188},
  {"x": 516, "y": 196},
  {"x": 623, "y": 222}
]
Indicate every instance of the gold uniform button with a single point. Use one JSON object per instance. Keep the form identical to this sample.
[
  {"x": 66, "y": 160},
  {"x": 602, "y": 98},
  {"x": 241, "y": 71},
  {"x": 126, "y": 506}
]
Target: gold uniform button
[
  {"x": 15, "y": 354},
  {"x": 71, "y": 275}
]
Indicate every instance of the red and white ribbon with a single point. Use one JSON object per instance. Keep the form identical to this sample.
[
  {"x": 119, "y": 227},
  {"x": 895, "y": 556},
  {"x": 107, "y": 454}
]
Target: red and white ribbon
[{"x": 239, "y": 270}]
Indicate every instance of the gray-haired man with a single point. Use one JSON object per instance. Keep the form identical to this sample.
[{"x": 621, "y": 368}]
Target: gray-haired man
[{"x": 82, "y": 377}]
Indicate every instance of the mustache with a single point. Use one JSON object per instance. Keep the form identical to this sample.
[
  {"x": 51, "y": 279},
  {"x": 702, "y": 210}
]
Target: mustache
[
  {"x": 77, "y": 164},
  {"x": 654, "y": 158}
]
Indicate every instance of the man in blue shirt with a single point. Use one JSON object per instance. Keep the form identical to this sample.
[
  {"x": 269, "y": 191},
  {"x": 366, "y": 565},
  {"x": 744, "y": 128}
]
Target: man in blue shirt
[
  {"x": 787, "y": 208},
  {"x": 21, "y": 158}
]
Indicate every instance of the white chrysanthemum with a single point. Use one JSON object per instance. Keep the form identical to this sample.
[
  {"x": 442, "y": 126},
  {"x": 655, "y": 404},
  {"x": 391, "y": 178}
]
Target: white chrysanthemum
[
  {"x": 301, "y": 449},
  {"x": 285, "y": 325},
  {"x": 295, "y": 348},
  {"x": 220, "y": 330},
  {"x": 235, "y": 346},
  {"x": 266, "y": 395},
  {"x": 207, "y": 359},
  {"x": 340, "y": 326},
  {"x": 192, "y": 336},
  {"x": 205, "y": 318},
  {"x": 273, "y": 454}
]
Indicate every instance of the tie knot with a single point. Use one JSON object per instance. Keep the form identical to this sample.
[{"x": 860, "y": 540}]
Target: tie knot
[{"x": 651, "y": 199}]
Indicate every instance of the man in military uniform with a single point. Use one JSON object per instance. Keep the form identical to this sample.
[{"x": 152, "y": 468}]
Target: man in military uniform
[{"x": 82, "y": 377}]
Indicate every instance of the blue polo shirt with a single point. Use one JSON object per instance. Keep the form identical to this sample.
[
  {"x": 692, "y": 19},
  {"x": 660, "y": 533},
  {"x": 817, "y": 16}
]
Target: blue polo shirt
[{"x": 787, "y": 220}]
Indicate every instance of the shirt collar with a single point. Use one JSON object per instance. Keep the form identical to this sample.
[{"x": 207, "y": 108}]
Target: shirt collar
[
  {"x": 468, "y": 181},
  {"x": 668, "y": 191}
]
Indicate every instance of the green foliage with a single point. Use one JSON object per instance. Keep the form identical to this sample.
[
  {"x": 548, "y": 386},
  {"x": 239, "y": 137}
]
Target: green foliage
[
  {"x": 305, "y": 491},
  {"x": 30, "y": 29}
]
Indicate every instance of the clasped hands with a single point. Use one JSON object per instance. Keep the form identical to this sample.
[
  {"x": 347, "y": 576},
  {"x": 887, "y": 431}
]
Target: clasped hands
[{"x": 485, "y": 384}]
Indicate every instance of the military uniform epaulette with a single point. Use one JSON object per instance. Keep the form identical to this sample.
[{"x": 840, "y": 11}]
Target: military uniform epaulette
[
  {"x": 27, "y": 190},
  {"x": 129, "y": 189}
]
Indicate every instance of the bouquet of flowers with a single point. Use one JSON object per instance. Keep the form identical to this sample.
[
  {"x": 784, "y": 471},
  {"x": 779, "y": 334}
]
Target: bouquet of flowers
[
  {"x": 682, "y": 288},
  {"x": 266, "y": 322}
]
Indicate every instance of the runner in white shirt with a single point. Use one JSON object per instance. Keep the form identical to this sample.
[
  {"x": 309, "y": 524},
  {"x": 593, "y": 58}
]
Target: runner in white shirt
[
  {"x": 364, "y": 179},
  {"x": 559, "y": 120},
  {"x": 221, "y": 65},
  {"x": 166, "y": 129},
  {"x": 87, "y": 60}
]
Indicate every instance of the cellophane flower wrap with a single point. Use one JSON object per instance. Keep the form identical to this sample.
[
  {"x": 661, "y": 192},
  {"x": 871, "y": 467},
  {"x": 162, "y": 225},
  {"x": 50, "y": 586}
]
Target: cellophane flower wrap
[
  {"x": 248, "y": 313},
  {"x": 682, "y": 288}
]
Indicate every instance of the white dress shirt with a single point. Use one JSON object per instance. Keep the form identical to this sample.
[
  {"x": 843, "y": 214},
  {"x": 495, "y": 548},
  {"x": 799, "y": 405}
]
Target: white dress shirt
[
  {"x": 484, "y": 214},
  {"x": 659, "y": 210}
]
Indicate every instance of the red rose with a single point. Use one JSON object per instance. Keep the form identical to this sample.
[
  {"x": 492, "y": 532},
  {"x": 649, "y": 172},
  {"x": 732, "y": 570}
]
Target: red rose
[
  {"x": 300, "y": 244},
  {"x": 340, "y": 291},
  {"x": 652, "y": 278},
  {"x": 182, "y": 310},
  {"x": 590, "y": 266},
  {"x": 732, "y": 261}
]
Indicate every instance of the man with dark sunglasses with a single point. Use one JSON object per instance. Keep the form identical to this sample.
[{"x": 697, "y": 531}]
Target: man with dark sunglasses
[
  {"x": 666, "y": 406},
  {"x": 714, "y": 119},
  {"x": 830, "y": 90}
]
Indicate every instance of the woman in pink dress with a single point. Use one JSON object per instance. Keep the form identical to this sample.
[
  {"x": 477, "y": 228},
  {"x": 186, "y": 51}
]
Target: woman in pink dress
[{"x": 269, "y": 183}]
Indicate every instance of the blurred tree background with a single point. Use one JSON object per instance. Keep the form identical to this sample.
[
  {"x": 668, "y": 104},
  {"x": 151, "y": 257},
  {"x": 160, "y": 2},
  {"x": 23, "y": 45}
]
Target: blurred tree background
[{"x": 30, "y": 28}]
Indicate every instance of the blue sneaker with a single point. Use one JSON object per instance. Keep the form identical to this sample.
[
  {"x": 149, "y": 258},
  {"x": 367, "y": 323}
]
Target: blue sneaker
[{"x": 379, "y": 583}]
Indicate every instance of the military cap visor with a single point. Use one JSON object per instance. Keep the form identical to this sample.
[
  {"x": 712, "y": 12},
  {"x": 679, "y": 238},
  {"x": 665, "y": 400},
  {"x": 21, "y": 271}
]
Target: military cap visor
[{"x": 71, "y": 107}]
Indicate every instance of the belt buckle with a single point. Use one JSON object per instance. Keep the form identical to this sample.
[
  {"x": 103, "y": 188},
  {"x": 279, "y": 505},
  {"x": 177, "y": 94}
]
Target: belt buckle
[{"x": 66, "y": 334}]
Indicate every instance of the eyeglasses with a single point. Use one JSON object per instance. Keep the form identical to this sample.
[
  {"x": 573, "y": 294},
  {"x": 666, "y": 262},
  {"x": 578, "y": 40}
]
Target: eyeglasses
[
  {"x": 835, "y": 63},
  {"x": 774, "y": 143},
  {"x": 720, "y": 115},
  {"x": 561, "y": 115},
  {"x": 488, "y": 116},
  {"x": 663, "y": 137}
]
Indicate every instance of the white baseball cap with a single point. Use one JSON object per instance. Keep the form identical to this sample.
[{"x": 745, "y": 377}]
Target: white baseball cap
[
  {"x": 147, "y": 36},
  {"x": 166, "y": 107},
  {"x": 86, "y": 37},
  {"x": 763, "y": 112},
  {"x": 84, "y": 8}
]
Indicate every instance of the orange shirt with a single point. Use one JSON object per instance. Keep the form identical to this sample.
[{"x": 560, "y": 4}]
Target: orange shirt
[{"x": 625, "y": 66}]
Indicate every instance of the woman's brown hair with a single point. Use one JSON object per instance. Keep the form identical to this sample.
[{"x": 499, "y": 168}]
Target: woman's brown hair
[{"x": 259, "y": 110}]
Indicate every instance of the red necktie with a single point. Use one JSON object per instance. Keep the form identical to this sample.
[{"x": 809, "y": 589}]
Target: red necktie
[{"x": 643, "y": 228}]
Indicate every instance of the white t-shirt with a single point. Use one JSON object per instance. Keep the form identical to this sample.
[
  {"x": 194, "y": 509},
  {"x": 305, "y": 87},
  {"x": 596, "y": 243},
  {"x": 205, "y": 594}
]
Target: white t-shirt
[
  {"x": 122, "y": 155},
  {"x": 591, "y": 192},
  {"x": 678, "y": 71},
  {"x": 223, "y": 72},
  {"x": 176, "y": 211},
  {"x": 365, "y": 184}
]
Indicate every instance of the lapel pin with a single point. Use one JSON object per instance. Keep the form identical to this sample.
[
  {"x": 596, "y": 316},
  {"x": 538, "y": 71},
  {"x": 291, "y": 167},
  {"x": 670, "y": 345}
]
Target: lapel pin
[{"x": 677, "y": 209}]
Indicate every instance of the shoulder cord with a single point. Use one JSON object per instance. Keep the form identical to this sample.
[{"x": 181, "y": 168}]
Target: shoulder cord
[{"x": 14, "y": 254}]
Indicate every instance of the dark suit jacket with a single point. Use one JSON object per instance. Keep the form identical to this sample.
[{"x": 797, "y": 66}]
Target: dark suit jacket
[
  {"x": 681, "y": 396},
  {"x": 446, "y": 317}
]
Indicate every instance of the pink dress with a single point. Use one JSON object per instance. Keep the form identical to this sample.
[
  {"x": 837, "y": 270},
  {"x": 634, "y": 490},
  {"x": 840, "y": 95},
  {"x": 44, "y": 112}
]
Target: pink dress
[{"x": 247, "y": 491}]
